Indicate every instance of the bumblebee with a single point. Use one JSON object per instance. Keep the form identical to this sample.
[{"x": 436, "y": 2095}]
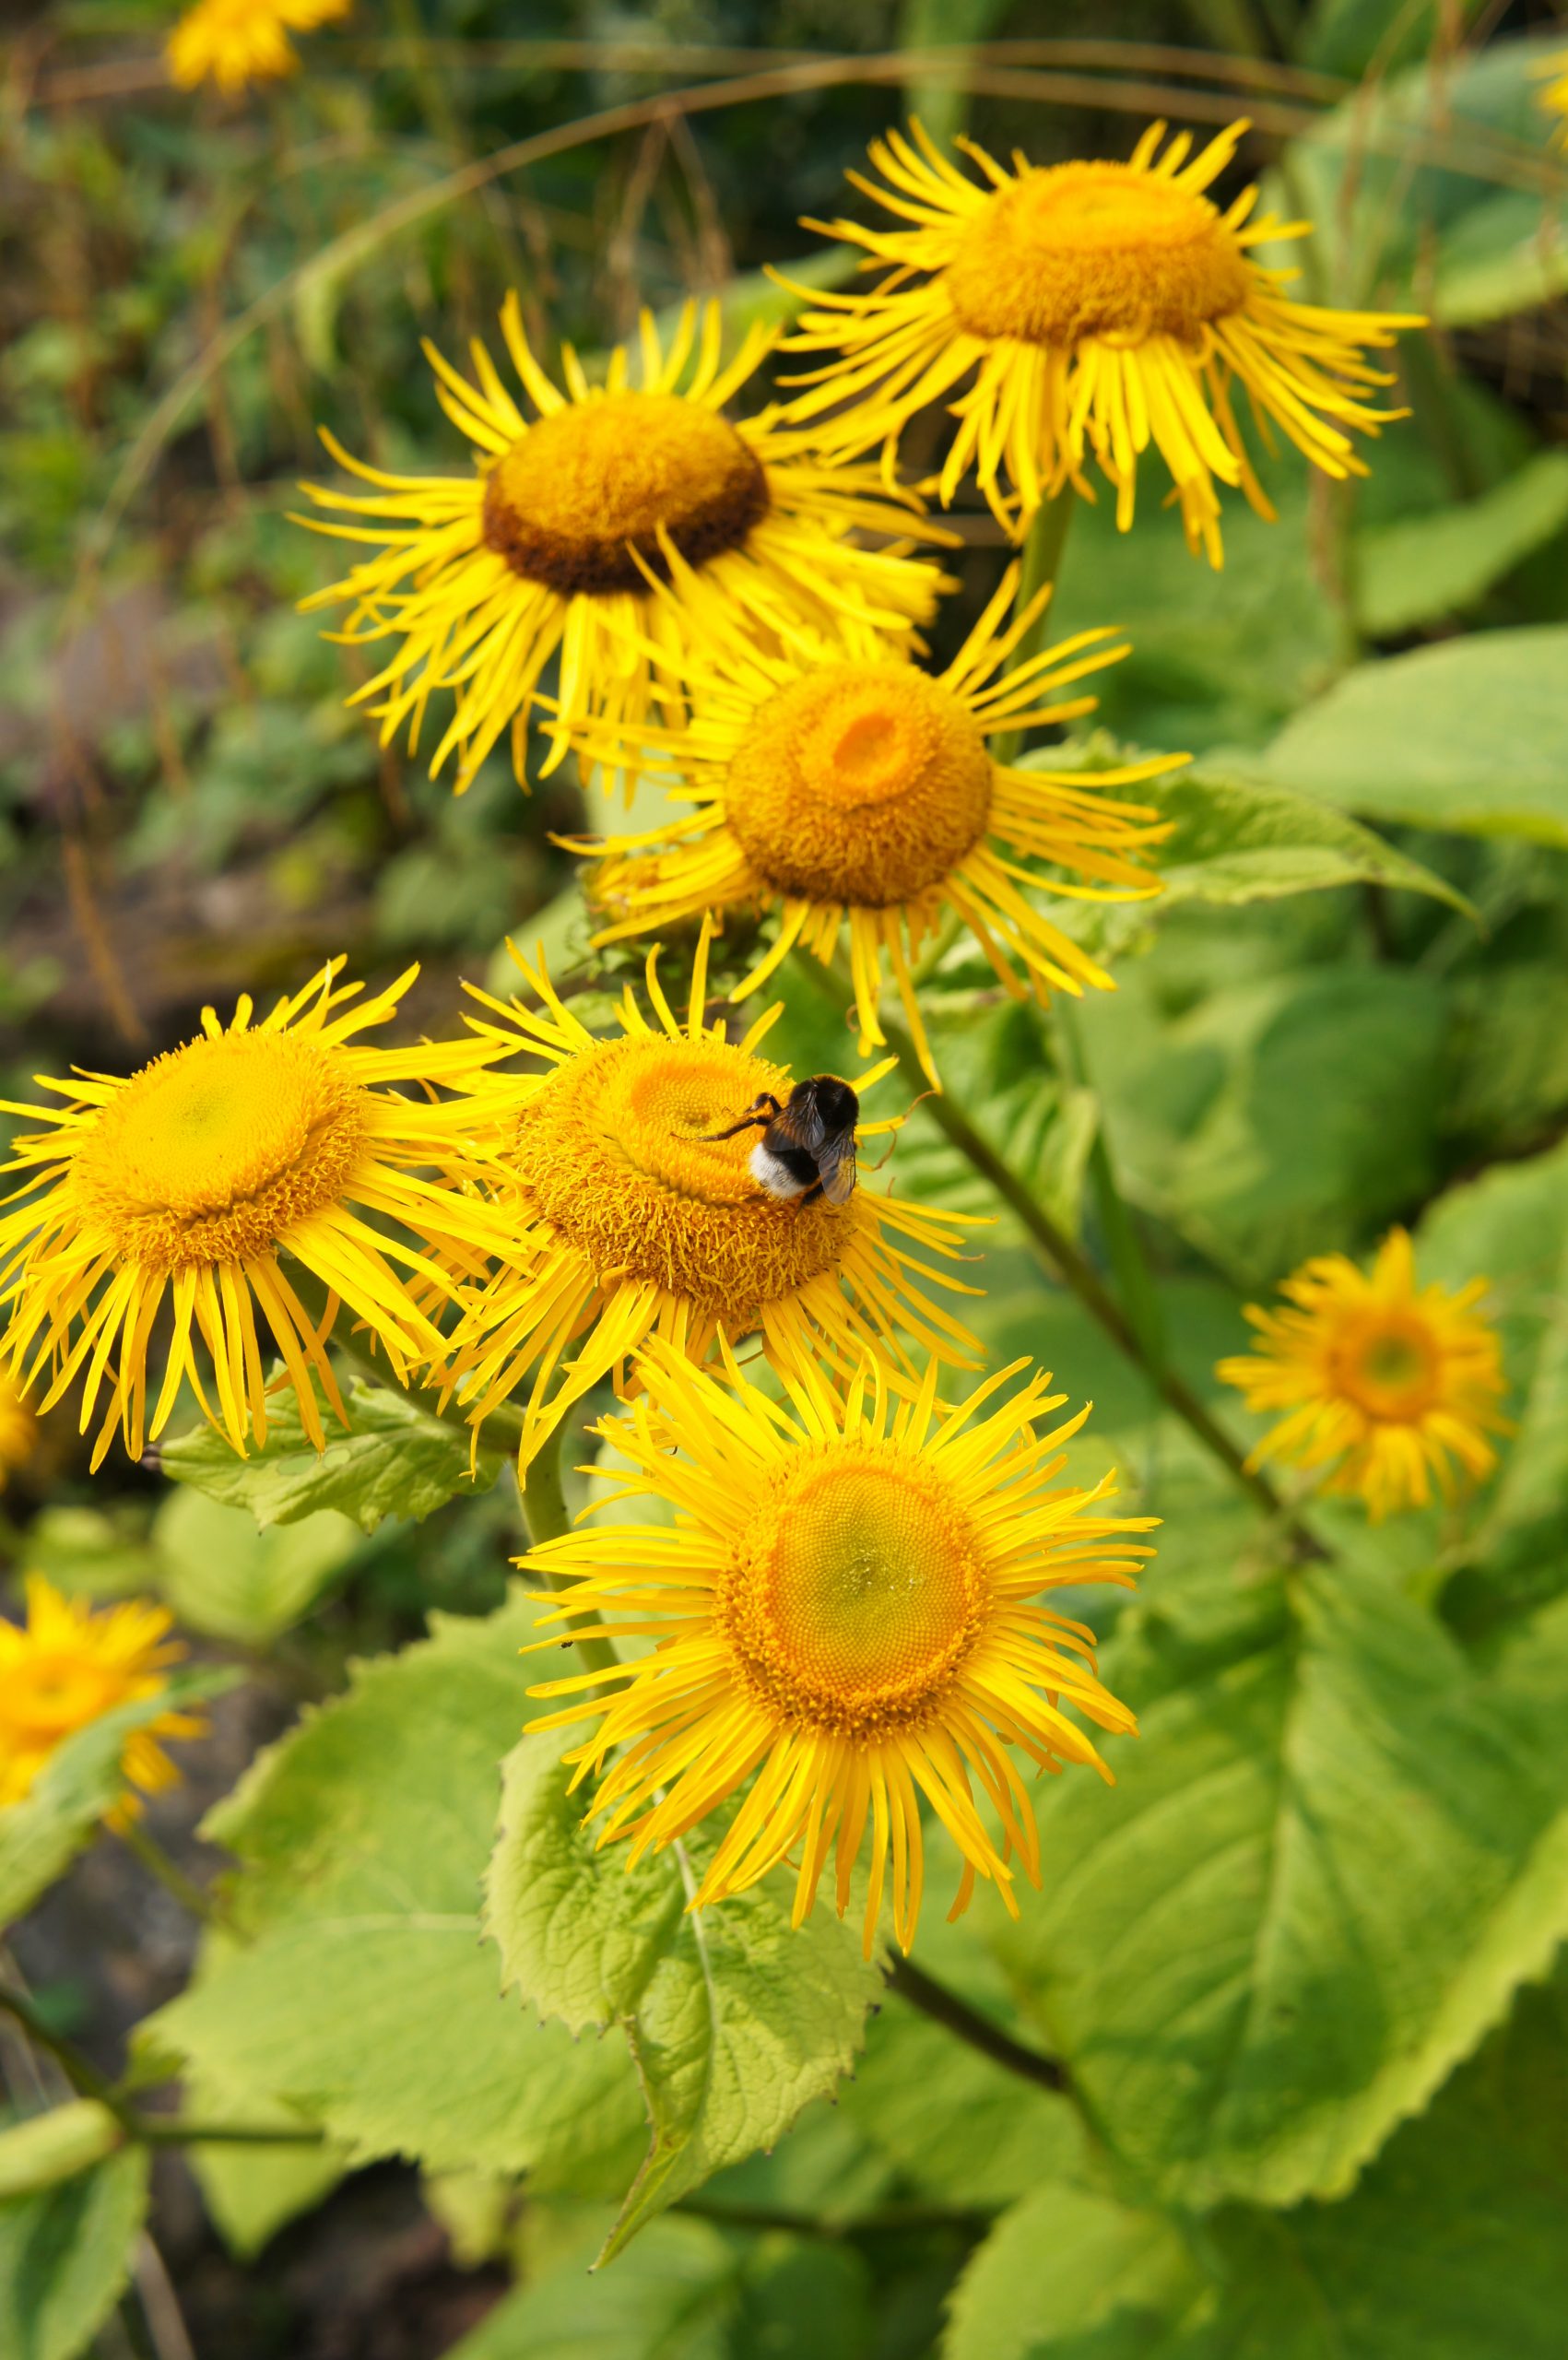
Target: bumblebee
[{"x": 806, "y": 1149}]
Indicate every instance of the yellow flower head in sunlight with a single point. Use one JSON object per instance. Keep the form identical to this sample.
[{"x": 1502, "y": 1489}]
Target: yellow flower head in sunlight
[
  {"x": 847, "y": 1606},
  {"x": 1097, "y": 308},
  {"x": 630, "y": 1219},
  {"x": 547, "y": 550},
  {"x": 1386, "y": 1384},
  {"x": 68, "y": 1666},
  {"x": 235, "y": 41},
  {"x": 19, "y": 1428},
  {"x": 182, "y": 1187},
  {"x": 843, "y": 787}
]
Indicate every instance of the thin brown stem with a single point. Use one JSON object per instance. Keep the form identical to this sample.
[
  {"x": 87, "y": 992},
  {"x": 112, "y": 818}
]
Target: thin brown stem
[{"x": 955, "y": 2015}]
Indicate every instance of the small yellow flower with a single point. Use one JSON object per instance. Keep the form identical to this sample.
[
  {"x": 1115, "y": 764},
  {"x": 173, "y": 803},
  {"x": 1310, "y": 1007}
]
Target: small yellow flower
[
  {"x": 67, "y": 1666},
  {"x": 1384, "y": 1384},
  {"x": 843, "y": 787},
  {"x": 183, "y": 1186},
  {"x": 1099, "y": 307},
  {"x": 1555, "y": 98},
  {"x": 548, "y": 548},
  {"x": 235, "y": 41},
  {"x": 846, "y": 1606},
  {"x": 19, "y": 1428},
  {"x": 629, "y": 1221}
]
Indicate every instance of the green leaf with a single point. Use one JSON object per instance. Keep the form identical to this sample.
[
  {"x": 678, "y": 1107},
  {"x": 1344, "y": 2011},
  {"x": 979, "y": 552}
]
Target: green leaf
[
  {"x": 1470, "y": 736},
  {"x": 77, "y": 1788},
  {"x": 1450, "y": 2247},
  {"x": 1424, "y": 568},
  {"x": 735, "y": 2018},
  {"x": 1219, "y": 1121},
  {"x": 228, "y": 1580},
  {"x": 250, "y": 2192},
  {"x": 362, "y": 1995},
  {"x": 44, "y": 2149},
  {"x": 673, "y": 2297},
  {"x": 65, "y": 2257},
  {"x": 398, "y": 1461},
  {"x": 1234, "y": 1950},
  {"x": 1237, "y": 840}
]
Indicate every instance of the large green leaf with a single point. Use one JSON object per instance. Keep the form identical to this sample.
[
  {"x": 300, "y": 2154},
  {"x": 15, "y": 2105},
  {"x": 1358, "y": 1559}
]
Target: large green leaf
[
  {"x": 361, "y": 1994},
  {"x": 65, "y": 2254},
  {"x": 227, "y": 1579},
  {"x": 1470, "y": 736},
  {"x": 77, "y": 1788},
  {"x": 1425, "y": 569},
  {"x": 397, "y": 1460},
  {"x": 736, "y": 2021},
  {"x": 1234, "y": 1949},
  {"x": 1450, "y": 2247}
]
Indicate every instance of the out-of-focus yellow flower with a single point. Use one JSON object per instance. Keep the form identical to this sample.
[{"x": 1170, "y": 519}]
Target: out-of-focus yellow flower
[
  {"x": 845, "y": 788},
  {"x": 550, "y": 549},
  {"x": 630, "y": 1219},
  {"x": 233, "y": 42},
  {"x": 1555, "y": 98},
  {"x": 185, "y": 1183},
  {"x": 1099, "y": 308},
  {"x": 67, "y": 1666},
  {"x": 847, "y": 1606},
  {"x": 19, "y": 1429},
  {"x": 1385, "y": 1382}
]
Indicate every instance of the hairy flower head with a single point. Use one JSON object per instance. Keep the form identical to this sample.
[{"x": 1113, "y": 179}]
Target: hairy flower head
[
  {"x": 1090, "y": 310},
  {"x": 1388, "y": 1384},
  {"x": 846, "y": 1612}
]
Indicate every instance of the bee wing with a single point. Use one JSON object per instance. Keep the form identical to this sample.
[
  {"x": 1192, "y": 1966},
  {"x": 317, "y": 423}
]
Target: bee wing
[
  {"x": 836, "y": 1166},
  {"x": 801, "y": 1124}
]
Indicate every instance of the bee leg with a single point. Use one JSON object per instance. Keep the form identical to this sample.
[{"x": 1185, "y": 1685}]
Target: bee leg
[
  {"x": 764, "y": 1112},
  {"x": 808, "y": 1195}
]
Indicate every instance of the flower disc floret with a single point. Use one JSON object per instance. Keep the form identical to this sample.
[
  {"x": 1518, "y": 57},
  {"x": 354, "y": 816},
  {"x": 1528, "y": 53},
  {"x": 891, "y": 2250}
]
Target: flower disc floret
[
  {"x": 583, "y": 501},
  {"x": 846, "y": 1617},
  {"x": 588, "y": 499},
  {"x": 67, "y": 1666},
  {"x": 627, "y": 1223},
  {"x": 862, "y": 783},
  {"x": 1387, "y": 1385}
]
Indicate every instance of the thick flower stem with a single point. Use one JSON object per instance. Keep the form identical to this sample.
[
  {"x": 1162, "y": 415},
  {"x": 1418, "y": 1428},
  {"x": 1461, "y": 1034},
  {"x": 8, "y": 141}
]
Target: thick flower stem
[
  {"x": 543, "y": 1492},
  {"x": 955, "y": 2015},
  {"x": 1042, "y": 563}
]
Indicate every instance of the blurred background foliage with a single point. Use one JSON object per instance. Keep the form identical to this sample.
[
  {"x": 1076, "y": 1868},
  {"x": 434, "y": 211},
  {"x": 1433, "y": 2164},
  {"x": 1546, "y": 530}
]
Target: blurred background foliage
[{"x": 189, "y": 288}]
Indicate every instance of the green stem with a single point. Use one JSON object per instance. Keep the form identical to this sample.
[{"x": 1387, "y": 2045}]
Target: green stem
[
  {"x": 79, "y": 2071},
  {"x": 955, "y": 2015},
  {"x": 1042, "y": 563},
  {"x": 173, "y": 1878},
  {"x": 180, "y": 2131},
  {"x": 891, "y": 2220},
  {"x": 1139, "y": 1295}
]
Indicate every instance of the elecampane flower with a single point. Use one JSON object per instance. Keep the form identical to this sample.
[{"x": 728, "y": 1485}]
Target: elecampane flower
[
  {"x": 1555, "y": 98},
  {"x": 629, "y": 1220},
  {"x": 233, "y": 42},
  {"x": 846, "y": 789},
  {"x": 188, "y": 1183},
  {"x": 1388, "y": 1384},
  {"x": 846, "y": 1608},
  {"x": 67, "y": 1666},
  {"x": 545, "y": 552},
  {"x": 1098, "y": 308}
]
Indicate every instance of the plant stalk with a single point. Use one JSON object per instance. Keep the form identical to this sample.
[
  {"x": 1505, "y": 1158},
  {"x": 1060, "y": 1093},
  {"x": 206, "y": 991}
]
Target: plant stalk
[
  {"x": 170, "y": 1875},
  {"x": 955, "y": 2015},
  {"x": 545, "y": 1513},
  {"x": 1042, "y": 563}
]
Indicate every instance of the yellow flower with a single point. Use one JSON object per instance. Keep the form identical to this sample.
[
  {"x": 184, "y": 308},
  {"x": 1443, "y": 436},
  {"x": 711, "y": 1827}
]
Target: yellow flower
[
  {"x": 235, "y": 41},
  {"x": 843, "y": 787},
  {"x": 19, "y": 1428},
  {"x": 547, "y": 550},
  {"x": 1555, "y": 98},
  {"x": 1100, "y": 307},
  {"x": 845, "y": 1605},
  {"x": 631, "y": 1221},
  {"x": 68, "y": 1666},
  {"x": 1382, "y": 1383},
  {"x": 183, "y": 1185}
]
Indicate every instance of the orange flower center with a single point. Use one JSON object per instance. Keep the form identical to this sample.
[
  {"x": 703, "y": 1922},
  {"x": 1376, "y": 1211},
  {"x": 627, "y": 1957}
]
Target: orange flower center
[
  {"x": 859, "y": 1589},
  {"x": 862, "y": 783},
  {"x": 1095, "y": 250},
  {"x": 1389, "y": 1365},
  {"x": 44, "y": 1698},
  {"x": 586, "y": 486},
  {"x": 212, "y": 1153},
  {"x": 614, "y": 1153}
]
